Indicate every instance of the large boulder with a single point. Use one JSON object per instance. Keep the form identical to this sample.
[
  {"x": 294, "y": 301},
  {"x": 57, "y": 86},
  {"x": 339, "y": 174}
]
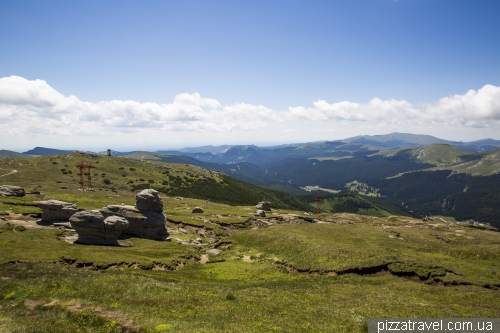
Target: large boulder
[
  {"x": 11, "y": 191},
  {"x": 93, "y": 228},
  {"x": 146, "y": 220},
  {"x": 149, "y": 200},
  {"x": 55, "y": 210},
  {"x": 264, "y": 205}
]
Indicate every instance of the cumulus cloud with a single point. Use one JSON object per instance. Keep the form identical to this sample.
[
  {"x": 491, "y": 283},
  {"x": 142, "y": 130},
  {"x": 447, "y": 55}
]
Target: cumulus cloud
[
  {"x": 32, "y": 107},
  {"x": 474, "y": 107}
]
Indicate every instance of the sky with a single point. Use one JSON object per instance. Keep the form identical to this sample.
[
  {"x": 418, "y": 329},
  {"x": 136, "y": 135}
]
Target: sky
[{"x": 131, "y": 75}]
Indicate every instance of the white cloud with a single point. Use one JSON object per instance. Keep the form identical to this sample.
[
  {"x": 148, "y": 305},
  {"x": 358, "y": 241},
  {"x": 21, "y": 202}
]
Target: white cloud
[
  {"x": 471, "y": 109},
  {"x": 33, "y": 108}
]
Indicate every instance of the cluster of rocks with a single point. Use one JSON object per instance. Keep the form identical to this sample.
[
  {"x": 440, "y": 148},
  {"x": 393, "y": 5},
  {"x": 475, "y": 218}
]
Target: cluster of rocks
[
  {"x": 11, "y": 191},
  {"x": 104, "y": 226},
  {"x": 262, "y": 208},
  {"x": 146, "y": 219}
]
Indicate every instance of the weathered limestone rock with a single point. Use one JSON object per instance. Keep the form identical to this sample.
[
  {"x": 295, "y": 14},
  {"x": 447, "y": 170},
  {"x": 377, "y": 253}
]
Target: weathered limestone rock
[
  {"x": 11, "y": 191},
  {"x": 93, "y": 228},
  {"x": 197, "y": 210},
  {"x": 149, "y": 200},
  {"x": 55, "y": 210},
  {"x": 145, "y": 221},
  {"x": 264, "y": 205},
  {"x": 260, "y": 212}
]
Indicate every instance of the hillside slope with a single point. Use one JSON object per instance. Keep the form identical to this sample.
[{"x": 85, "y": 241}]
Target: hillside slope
[
  {"x": 12, "y": 154},
  {"x": 116, "y": 177}
]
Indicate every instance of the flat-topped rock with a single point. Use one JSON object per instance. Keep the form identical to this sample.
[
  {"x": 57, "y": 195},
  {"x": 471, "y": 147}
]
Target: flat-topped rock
[
  {"x": 11, "y": 191},
  {"x": 56, "y": 211},
  {"x": 93, "y": 228},
  {"x": 264, "y": 205}
]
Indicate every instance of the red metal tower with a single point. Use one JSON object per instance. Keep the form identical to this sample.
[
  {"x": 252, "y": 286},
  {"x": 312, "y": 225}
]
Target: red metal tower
[
  {"x": 319, "y": 199},
  {"x": 82, "y": 166}
]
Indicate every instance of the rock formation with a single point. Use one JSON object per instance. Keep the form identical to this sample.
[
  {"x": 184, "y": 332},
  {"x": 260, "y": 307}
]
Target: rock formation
[
  {"x": 264, "y": 205},
  {"x": 55, "y": 210},
  {"x": 146, "y": 220},
  {"x": 93, "y": 228},
  {"x": 11, "y": 191}
]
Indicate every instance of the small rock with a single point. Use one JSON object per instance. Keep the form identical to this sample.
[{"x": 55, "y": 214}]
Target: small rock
[
  {"x": 213, "y": 252},
  {"x": 260, "y": 212},
  {"x": 197, "y": 210},
  {"x": 11, "y": 191},
  {"x": 182, "y": 231}
]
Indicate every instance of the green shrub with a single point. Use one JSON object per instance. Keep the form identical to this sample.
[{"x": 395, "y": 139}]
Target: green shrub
[{"x": 106, "y": 181}]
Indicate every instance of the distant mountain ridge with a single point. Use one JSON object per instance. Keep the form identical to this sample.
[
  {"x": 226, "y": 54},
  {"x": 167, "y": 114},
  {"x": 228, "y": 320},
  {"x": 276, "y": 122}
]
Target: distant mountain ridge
[
  {"x": 396, "y": 140},
  {"x": 420, "y": 174},
  {"x": 12, "y": 154},
  {"x": 392, "y": 140},
  {"x": 42, "y": 151}
]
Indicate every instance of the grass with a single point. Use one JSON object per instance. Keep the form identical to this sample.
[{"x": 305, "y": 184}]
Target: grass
[
  {"x": 42, "y": 293},
  {"x": 366, "y": 243},
  {"x": 301, "y": 277}
]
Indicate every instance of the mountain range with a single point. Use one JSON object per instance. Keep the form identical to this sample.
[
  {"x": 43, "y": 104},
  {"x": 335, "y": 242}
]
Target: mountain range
[{"x": 418, "y": 174}]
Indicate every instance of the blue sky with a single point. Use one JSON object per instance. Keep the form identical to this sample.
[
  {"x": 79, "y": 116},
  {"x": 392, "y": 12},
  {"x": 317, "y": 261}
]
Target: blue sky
[{"x": 165, "y": 74}]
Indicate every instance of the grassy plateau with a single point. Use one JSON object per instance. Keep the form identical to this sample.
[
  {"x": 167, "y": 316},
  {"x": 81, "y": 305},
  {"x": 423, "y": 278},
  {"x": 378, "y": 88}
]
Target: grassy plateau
[{"x": 279, "y": 273}]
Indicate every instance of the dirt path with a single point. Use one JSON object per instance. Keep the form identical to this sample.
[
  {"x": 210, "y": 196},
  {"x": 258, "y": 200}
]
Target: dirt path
[{"x": 10, "y": 173}]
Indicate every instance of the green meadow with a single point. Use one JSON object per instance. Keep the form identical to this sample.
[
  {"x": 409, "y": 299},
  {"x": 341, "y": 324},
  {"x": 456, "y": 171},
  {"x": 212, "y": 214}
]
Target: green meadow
[{"x": 274, "y": 274}]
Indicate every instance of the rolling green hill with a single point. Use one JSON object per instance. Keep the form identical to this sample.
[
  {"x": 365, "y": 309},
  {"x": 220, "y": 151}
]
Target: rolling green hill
[
  {"x": 351, "y": 202},
  {"x": 435, "y": 154},
  {"x": 115, "y": 177},
  {"x": 479, "y": 164}
]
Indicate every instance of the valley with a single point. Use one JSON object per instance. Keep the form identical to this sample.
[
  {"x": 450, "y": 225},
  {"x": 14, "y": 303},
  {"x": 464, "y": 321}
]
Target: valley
[{"x": 367, "y": 254}]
